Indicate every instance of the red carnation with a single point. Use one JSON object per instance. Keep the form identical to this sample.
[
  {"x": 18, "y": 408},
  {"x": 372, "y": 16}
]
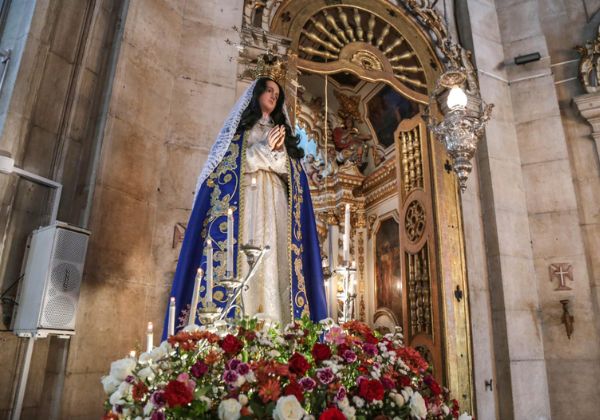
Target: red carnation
[
  {"x": 231, "y": 345},
  {"x": 298, "y": 364},
  {"x": 433, "y": 385},
  {"x": 177, "y": 393},
  {"x": 295, "y": 389},
  {"x": 139, "y": 391},
  {"x": 321, "y": 352},
  {"x": 332, "y": 413},
  {"x": 371, "y": 389}
]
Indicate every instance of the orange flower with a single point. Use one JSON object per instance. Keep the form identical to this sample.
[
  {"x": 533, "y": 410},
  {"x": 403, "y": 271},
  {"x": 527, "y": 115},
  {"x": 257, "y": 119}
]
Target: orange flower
[
  {"x": 188, "y": 340},
  {"x": 270, "y": 391},
  {"x": 212, "y": 357},
  {"x": 357, "y": 326}
]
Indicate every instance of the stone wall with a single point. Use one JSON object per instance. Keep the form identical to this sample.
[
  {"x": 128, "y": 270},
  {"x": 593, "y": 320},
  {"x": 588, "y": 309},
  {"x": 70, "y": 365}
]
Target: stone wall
[
  {"x": 173, "y": 87},
  {"x": 538, "y": 188},
  {"x": 49, "y": 106}
]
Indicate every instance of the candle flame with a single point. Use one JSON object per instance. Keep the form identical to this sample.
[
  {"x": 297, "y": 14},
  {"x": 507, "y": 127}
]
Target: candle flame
[
  {"x": 200, "y": 272},
  {"x": 208, "y": 243},
  {"x": 132, "y": 354},
  {"x": 229, "y": 211},
  {"x": 254, "y": 181},
  {"x": 172, "y": 301},
  {"x": 150, "y": 327}
]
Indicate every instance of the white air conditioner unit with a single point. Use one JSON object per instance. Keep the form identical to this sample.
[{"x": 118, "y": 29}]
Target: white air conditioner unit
[{"x": 49, "y": 292}]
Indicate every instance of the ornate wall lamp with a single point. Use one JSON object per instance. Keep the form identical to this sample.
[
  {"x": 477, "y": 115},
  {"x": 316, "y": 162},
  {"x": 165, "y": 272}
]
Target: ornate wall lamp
[{"x": 456, "y": 95}]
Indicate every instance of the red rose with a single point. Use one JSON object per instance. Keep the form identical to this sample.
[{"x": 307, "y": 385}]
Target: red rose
[
  {"x": 371, "y": 389},
  {"x": 177, "y": 393},
  {"x": 231, "y": 345},
  {"x": 295, "y": 389},
  {"x": 332, "y": 413},
  {"x": 298, "y": 364},
  {"x": 321, "y": 352}
]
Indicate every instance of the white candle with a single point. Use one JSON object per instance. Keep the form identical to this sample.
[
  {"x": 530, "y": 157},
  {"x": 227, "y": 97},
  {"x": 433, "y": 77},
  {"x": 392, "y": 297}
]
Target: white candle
[
  {"x": 171, "y": 330},
  {"x": 194, "y": 307},
  {"x": 149, "y": 337},
  {"x": 209, "y": 273},
  {"x": 230, "y": 242},
  {"x": 347, "y": 235},
  {"x": 252, "y": 203}
]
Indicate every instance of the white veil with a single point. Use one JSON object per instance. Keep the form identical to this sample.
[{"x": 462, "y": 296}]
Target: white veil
[{"x": 221, "y": 145}]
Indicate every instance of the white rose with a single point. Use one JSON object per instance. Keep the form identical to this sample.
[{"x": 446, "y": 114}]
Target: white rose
[
  {"x": 110, "y": 384},
  {"x": 445, "y": 410},
  {"x": 243, "y": 399},
  {"x": 407, "y": 392},
  {"x": 398, "y": 399},
  {"x": 146, "y": 373},
  {"x": 161, "y": 351},
  {"x": 121, "y": 369},
  {"x": 288, "y": 408},
  {"x": 148, "y": 408},
  {"x": 359, "y": 402},
  {"x": 123, "y": 391},
  {"x": 417, "y": 406},
  {"x": 229, "y": 409},
  {"x": 465, "y": 416}
]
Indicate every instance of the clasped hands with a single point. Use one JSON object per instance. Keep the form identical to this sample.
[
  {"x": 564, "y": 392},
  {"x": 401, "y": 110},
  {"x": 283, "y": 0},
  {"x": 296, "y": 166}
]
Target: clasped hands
[{"x": 276, "y": 138}]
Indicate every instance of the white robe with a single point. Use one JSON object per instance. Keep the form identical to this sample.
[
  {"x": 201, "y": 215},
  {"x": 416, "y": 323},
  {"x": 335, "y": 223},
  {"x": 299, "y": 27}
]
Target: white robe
[{"x": 269, "y": 290}]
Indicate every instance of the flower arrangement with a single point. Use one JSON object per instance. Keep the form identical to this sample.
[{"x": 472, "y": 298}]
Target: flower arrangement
[{"x": 305, "y": 371}]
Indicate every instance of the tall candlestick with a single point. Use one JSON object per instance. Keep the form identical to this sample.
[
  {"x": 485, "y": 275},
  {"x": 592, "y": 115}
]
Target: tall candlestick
[
  {"x": 171, "y": 330},
  {"x": 252, "y": 203},
  {"x": 208, "y": 297},
  {"x": 149, "y": 337},
  {"x": 230, "y": 242},
  {"x": 347, "y": 234},
  {"x": 194, "y": 307}
]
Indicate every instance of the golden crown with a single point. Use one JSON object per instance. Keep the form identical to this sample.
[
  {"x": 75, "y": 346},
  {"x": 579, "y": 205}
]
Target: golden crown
[{"x": 271, "y": 66}]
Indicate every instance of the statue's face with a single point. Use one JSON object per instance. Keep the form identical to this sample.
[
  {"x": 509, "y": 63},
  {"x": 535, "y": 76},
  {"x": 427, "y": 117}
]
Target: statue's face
[{"x": 269, "y": 97}]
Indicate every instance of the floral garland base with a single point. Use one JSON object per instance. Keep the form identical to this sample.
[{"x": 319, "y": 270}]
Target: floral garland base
[{"x": 305, "y": 371}]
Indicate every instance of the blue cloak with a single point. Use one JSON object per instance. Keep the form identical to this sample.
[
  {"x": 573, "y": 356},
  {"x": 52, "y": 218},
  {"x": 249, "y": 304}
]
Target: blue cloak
[{"x": 222, "y": 190}]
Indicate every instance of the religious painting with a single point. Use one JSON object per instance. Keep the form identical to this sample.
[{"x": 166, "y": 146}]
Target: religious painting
[
  {"x": 385, "y": 111},
  {"x": 388, "y": 278}
]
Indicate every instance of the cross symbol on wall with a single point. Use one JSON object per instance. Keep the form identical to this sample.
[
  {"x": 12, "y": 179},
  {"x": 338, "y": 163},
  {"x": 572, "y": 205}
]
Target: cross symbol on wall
[{"x": 562, "y": 272}]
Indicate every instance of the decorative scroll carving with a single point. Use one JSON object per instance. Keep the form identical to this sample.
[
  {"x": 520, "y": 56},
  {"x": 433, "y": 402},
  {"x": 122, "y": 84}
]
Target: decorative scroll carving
[
  {"x": 419, "y": 292},
  {"x": 414, "y": 221},
  {"x": 589, "y": 71},
  {"x": 411, "y": 163}
]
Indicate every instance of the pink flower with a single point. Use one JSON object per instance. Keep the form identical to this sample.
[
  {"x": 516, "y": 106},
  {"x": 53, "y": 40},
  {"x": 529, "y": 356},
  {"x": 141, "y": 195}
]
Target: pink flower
[
  {"x": 187, "y": 381},
  {"x": 335, "y": 335},
  {"x": 370, "y": 349},
  {"x": 325, "y": 375},
  {"x": 230, "y": 376},
  {"x": 349, "y": 356},
  {"x": 243, "y": 368},
  {"x": 308, "y": 383}
]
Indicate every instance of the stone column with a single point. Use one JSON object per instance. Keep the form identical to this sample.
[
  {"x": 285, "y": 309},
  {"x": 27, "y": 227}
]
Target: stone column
[
  {"x": 515, "y": 307},
  {"x": 589, "y": 107}
]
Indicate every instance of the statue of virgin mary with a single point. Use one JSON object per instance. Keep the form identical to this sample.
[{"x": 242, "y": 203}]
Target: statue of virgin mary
[{"x": 256, "y": 141}]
